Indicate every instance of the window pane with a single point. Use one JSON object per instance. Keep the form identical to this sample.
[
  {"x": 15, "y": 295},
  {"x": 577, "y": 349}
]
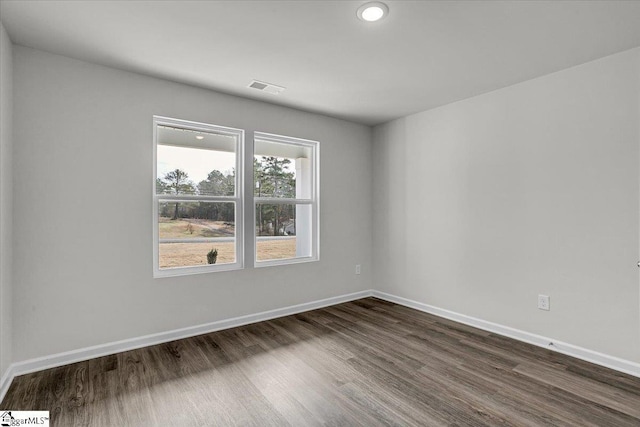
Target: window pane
[
  {"x": 283, "y": 231},
  {"x": 194, "y": 254},
  {"x": 188, "y": 231},
  {"x": 281, "y": 170},
  {"x": 190, "y": 162}
]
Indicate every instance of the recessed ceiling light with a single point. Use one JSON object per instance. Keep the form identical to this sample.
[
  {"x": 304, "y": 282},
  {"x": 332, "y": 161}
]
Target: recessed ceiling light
[
  {"x": 199, "y": 137},
  {"x": 373, "y": 11}
]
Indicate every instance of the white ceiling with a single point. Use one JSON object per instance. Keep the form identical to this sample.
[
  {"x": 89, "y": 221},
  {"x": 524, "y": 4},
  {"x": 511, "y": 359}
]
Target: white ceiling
[{"x": 424, "y": 54}]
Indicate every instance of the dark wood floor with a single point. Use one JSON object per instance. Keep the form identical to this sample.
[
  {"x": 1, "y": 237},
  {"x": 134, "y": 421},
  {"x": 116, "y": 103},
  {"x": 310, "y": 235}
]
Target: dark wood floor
[{"x": 366, "y": 362}]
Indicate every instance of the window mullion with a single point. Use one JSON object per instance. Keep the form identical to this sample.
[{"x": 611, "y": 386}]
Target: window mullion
[
  {"x": 195, "y": 198},
  {"x": 282, "y": 201}
]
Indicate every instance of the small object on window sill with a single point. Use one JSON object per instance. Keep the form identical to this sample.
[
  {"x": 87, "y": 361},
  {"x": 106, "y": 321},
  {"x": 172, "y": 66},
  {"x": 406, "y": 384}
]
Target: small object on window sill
[{"x": 212, "y": 256}]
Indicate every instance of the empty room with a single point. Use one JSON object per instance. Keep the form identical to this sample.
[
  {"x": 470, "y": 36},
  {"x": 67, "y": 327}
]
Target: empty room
[{"x": 304, "y": 213}]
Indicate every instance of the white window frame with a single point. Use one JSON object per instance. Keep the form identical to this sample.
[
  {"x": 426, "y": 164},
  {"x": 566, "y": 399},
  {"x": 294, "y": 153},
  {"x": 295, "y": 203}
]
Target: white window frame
[
  {"x": 314, "y": 200},
  {"x": 237, "y": 199}
]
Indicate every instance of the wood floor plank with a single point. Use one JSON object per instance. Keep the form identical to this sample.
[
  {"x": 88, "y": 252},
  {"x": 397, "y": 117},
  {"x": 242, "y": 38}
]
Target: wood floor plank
[
  {"x": 320, "y": 357},
  {"x": 367, "y": 362},
  {"x": 602, "y": 394},
  {"x": 549, "y": 401},
  {"x": 310, "y": 365}
]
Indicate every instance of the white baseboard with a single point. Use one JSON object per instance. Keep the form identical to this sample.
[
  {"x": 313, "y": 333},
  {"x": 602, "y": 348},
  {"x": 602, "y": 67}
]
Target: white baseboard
[
  {"x": 60, "y": 359},
  {"x": 5, "y": 382},
  {"x": 621, "y": 365}
]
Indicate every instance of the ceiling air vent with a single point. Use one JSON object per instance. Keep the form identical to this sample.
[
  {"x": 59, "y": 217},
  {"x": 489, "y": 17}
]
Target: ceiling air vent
[{"x": 266, "y": 87}]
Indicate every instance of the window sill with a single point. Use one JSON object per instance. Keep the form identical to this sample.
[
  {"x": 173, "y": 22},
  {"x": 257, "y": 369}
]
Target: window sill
[
  {"x": 287, "y": 261},
  {"x": 187, "y": 271}
]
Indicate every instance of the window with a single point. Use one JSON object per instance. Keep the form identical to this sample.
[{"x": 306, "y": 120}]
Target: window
[
  {"x": 285, "y": 174},
  {"x": 197, "y": 198}
]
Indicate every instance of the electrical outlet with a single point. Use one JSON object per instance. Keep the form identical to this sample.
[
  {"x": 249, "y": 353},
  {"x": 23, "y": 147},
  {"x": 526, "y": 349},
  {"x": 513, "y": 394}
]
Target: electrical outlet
[
  {"x": 357, "y": 268},
  {"x": 544, "y": 302}
]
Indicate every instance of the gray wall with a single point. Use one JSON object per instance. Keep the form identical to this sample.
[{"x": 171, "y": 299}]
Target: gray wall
[
  {"x": 6, "y": 201},
  {"x": 82, "y": 200},
  {"x": 479, "y": 206},
  {"x": 483, "y": 204}
]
